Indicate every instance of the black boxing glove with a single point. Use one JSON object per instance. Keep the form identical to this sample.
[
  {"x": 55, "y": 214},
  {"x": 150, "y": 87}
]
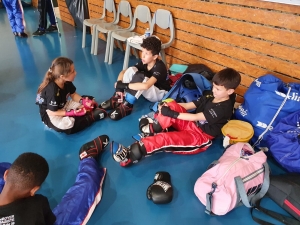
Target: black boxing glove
[
  {"x": 161, "y": 191},
  {"x": 166, "y": 111}
]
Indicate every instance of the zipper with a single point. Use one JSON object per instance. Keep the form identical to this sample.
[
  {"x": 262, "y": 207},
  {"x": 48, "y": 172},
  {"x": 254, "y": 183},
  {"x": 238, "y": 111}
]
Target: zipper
[{"x": 228, "y": 168}]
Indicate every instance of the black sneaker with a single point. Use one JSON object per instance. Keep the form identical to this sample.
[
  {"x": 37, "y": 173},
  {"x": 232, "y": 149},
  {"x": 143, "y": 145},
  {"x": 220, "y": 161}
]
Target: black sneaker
[
  {"x": 51, "y": 28},
  {"x": 22, "y": 35},
  {"x": 93, "y": 148},
  {"x": 38, "y": 33}
]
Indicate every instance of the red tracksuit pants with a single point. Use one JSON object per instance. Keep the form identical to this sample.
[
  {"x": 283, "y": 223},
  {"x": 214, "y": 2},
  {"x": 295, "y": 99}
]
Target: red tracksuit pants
[{"x": 187, "y": 139}]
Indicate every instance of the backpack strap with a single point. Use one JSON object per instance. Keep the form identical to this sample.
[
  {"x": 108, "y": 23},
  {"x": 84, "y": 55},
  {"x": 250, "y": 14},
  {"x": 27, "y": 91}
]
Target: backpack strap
[
  {"x": 270, "y": 124},
  {"x": 278, "y": 216},
  {"x": 241, "y": 192},
  {"x": 209, "y": 197}
]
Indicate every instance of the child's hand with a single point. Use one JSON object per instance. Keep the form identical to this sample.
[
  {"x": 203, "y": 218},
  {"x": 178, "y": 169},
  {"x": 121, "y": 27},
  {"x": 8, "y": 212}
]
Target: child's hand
[
  {"x": 88, "y": 104},
  {"x": 121, "y": 94},
  {"x": 161, "y": 104},
  {"x": 76, "y": 112}
]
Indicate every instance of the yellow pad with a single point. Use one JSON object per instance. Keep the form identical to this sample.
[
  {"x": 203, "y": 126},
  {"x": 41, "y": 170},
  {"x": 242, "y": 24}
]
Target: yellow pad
[{"x": 238, "y": 131}]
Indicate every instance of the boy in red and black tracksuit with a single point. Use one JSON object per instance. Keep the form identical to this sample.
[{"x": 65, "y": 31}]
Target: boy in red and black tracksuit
[{"x": 193, "y": 132}]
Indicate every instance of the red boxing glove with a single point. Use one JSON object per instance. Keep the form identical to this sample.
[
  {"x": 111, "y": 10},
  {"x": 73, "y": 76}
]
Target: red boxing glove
[
  {"x": 76, "y": 112},
  {"x": 87, "y": 103}
]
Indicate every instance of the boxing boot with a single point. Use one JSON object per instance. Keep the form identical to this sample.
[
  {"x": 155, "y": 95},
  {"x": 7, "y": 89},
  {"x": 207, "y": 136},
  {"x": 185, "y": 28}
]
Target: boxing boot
[
  {"x": 111, "y": 103},
  {"x": 121, "y": 111},
  {"x": 126, "y": 156},
  {"x": 93, "y": 148}
]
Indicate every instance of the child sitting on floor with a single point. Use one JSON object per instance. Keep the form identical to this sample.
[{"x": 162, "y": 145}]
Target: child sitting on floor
[{"x": 193, "y": 132}]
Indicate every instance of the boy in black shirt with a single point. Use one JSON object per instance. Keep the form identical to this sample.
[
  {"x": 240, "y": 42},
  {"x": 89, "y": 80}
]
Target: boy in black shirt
[
  {"x": 19, "y": 205},
  {"x": 193, "y": 131},
  {"x": 147, "y": 78}
]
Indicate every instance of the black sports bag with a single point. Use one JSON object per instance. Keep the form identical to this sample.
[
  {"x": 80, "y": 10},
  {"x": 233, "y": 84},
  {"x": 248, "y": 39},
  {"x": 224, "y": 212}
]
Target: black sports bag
[{"x": 285, "y": 191}]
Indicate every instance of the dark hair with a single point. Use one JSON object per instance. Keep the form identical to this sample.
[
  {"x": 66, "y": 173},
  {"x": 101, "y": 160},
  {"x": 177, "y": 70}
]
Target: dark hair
[
  {"x": 152, "y": 44},
  {"x": 59, "y": 66},
  {"x": 229, "y": 78},
  {"x": 27, "y": 171}
]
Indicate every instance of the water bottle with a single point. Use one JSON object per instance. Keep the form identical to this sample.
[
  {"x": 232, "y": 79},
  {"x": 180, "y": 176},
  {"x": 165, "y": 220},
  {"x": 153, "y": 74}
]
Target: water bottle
[{"x": 147, "y": 33}]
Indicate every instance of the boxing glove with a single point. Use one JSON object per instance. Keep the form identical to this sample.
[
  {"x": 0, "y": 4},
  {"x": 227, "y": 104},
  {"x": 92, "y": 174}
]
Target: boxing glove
[
  {"x": 88, "y": 102},
  {"x": 161, "y": 191},
  {"x": 76, "y": 112}
]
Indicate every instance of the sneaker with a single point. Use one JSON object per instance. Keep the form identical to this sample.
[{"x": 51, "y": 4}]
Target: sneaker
[
  {"x": 94, "y": 147},
  {"x": 38, "y": 32},
  {"x": 111, "y": 103},
  {"x": 119, "y": 152},
  {"x": 52, "y": 28},
  {"x": 121, "y": 111},
  {"x": 22, "y": 35}
]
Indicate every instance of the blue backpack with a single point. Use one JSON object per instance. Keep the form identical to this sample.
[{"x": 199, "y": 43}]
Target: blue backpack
[
  {"x": 284, "y": 142},
  {"x": 188, "y": 88},
  {"x": 267, "y": 100}
]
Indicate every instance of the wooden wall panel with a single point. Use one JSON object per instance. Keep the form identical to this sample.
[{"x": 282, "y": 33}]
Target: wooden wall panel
[
  {"x": 254, "y": 37},
  {"x": 64, "y": 12}
]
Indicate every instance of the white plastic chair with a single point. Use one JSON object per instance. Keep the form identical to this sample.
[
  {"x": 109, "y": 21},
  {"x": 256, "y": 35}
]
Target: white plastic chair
[
  {"x": 162, "y": 18},
  {"x": 142, "y": 13},
  {"x": 124, "y": 9},
  {"x": 109, "y": 5}
]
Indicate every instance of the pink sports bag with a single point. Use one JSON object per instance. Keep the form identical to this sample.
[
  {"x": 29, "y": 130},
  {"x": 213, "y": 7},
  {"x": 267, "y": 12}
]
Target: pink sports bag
[{"x": 239, "y": 176}]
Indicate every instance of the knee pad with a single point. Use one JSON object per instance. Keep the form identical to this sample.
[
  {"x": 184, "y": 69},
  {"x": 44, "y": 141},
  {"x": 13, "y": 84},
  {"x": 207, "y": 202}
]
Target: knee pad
[
  {"x": 138, "y": 77},
  {"x": 149, "y": 126},
  {"x": 136, "y": 152},
  {"x": 145, "y": 125},
  {"x": 156, "y": 127}
]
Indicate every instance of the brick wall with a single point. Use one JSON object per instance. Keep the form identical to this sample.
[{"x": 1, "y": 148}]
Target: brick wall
[{"x": 252, "y": 36}]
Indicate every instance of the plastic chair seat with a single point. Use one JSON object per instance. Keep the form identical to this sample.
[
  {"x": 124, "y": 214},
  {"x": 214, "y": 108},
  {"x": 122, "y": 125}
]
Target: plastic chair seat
[
  {"x": 124, "y": 9},
  {"x": 123, "y": 35},
  {"x": 109, "y": 5},
  {"x": 142, "y": 14}
]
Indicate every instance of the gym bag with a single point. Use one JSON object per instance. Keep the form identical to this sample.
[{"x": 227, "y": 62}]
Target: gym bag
[
  {"x": 284, "y": 142},
  {"x": 285, "y": 191},
  {"x": 240, "y": 175},
  {"x": 267, "y": 100},
  {"x": 188, "y": 88}
]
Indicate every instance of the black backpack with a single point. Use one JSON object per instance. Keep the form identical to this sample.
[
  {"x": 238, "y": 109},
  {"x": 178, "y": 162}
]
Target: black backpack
[{"x": 285, "y": 191}]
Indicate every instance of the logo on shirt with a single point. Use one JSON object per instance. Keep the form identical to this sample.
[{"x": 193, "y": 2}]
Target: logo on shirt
[
  {"x": 156, "y": 73},
  {"x": 53, "y": 103},
  {"x": 38, "y": 99},
  {"x": 213, "y": 113},
  {"x": 8, "y": 220}
]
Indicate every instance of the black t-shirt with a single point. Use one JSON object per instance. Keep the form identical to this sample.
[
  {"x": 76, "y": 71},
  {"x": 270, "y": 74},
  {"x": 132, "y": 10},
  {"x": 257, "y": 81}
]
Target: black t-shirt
[
  {"x": 53, "y": 98},
  {"x": 216, "y": 114},
  {"x": 33, "y": 210},
  {"x": 159, "y": 71}
]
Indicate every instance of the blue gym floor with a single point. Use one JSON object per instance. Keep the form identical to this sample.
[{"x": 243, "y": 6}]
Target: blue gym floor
[{"x": 23, "y": 63}]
